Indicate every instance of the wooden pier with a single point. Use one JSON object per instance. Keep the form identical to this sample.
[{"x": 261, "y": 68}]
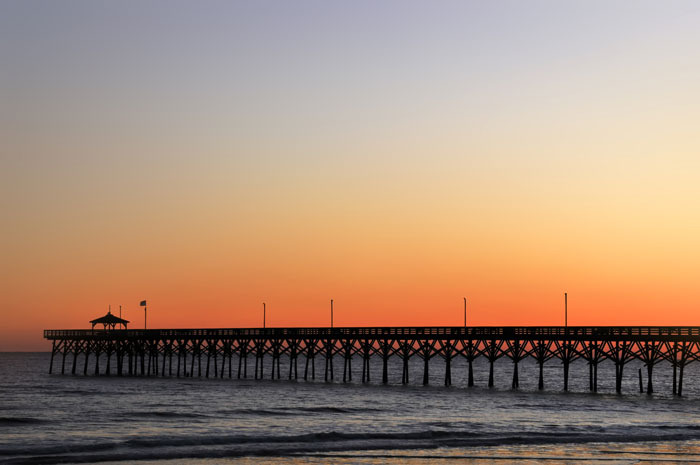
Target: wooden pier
[{"x": 227, "y": 352}]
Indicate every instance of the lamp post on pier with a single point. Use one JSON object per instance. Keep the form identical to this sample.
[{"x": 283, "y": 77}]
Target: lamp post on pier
[{"x": 465, "y": 312}]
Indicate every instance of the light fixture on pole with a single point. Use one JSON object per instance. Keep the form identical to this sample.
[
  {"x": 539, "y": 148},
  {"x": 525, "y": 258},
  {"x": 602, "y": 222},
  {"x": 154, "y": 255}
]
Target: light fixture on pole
[
  {"x": 331, "y": 313},
  {"x": 465, "y": 312},
  {"x": 566, "y": 310},
  {"x": 264, "y": 316}
]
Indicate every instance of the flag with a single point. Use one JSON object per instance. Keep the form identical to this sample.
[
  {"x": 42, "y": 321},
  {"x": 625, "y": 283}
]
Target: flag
[{"x": 143, "y": 303}]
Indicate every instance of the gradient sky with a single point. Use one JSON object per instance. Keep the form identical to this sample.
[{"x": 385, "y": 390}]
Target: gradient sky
[{"x": 394, "y": 156}]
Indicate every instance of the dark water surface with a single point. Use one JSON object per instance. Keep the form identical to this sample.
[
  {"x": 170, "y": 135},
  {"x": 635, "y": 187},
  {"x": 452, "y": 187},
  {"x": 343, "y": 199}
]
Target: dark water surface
[{"x": 75, "y": 419}]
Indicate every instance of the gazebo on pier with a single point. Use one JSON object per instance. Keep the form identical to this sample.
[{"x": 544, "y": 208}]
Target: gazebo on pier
[{"x": 109, "y": 321}]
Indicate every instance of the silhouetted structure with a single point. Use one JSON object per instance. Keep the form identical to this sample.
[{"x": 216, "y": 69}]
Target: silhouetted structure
[
  {"x": 147, "y": 352},
  {"x": 109, "y": 321}
]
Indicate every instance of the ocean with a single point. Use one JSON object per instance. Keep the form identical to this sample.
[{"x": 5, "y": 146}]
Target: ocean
[{"x": 108, "y": 419}]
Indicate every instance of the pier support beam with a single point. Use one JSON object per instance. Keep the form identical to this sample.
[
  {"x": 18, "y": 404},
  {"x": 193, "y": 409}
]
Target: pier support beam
[
  {"x": 63, "y": 362},
  {"x": 618, "y": 377},
  {"x": 650, "y": 353},
  {"x": 366, "y": 353},
  {"x": 471, "y": 354},
  {"x": 276, "y": 359},
  {"x": 243, "y": 359},
  {"x": 179, "y": 360},
  {"x": 593, "y": 356},
  {"x": 405, "y": 356},
  {"x": 426, "y": 370},
  {"x": 493, "y": 353},
  {"x": 347, "y": 346},
  {"x": 310, "y": 358},
  {"x": 225, "y": 355},
  {"x": 386, "y": 351},
  {"x": 97, "y": 362},
  {"x": 230, "y": 359},
  {"x": 517, "y": 353},
  {"x": 167, "y": 352},
  {"x": 216, "y": 360},
  {"x": 293, "y": 359},
  {"x": 53, "y": 352},
  {"x": 448, "y": 369},
  {"x": 75, "y": 360},
  {"x": 328, "y": 374},
  {"x": 426, "y": 352},
  {"x": 540, "y": 381},
  {"x": 470, "y": 375},
  {"x": 85, "y": 362}
]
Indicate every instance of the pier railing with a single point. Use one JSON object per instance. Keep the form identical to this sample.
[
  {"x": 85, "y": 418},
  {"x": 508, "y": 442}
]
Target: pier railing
[{"x": 418, "y": 332}]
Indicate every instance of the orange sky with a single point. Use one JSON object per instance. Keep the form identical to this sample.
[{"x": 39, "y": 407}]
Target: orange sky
[{"x": 211, "y": 160}]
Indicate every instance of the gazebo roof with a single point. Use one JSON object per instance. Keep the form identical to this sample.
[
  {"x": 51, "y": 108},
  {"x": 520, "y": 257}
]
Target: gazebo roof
[{"x": 109, "y": 319}]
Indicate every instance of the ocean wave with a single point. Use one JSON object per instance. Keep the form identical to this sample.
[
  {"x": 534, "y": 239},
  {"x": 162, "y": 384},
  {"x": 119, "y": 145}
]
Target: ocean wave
[
  {"x": 297, "y": 411},
  {"x": 206, "y": 446},
  {"x": 160, "y": 414},
  {"x": 18, "y": 421},
  {"x": 320, "y": 445},
  {"x": 340, "y": 409},
  {"x": 688, "y": 427},
  {"x": 58, "y": 450}
]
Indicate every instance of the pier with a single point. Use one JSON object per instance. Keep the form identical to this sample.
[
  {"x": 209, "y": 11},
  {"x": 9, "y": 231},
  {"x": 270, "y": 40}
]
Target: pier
[{"x": 231, "y": 352}]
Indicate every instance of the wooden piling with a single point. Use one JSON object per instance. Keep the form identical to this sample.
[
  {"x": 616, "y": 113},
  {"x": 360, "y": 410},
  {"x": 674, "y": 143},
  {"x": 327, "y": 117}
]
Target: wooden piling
[
  {"x": 386, "y": 351},
  {"x": 470, "y": 354},
  {"x": 85, "y": 362},
  {"x": 328, "y": 374},
  {"x": 53, "y": 352},
  {"x": 63, "y": 362},
  {"x": 448, "y": 370},
  {"x": 75, "y": 362}
]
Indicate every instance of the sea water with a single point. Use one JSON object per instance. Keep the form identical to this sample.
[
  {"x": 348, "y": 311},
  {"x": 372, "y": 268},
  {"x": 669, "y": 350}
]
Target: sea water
[{"x": 86, "y": 419}]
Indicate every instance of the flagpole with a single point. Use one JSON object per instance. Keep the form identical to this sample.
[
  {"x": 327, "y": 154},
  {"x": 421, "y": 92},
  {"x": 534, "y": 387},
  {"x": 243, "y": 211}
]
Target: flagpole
[{"x": 145, "y": 314}]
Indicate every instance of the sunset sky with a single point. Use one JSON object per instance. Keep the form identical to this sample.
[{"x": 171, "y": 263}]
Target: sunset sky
[{"x": 393, "y": 156}]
